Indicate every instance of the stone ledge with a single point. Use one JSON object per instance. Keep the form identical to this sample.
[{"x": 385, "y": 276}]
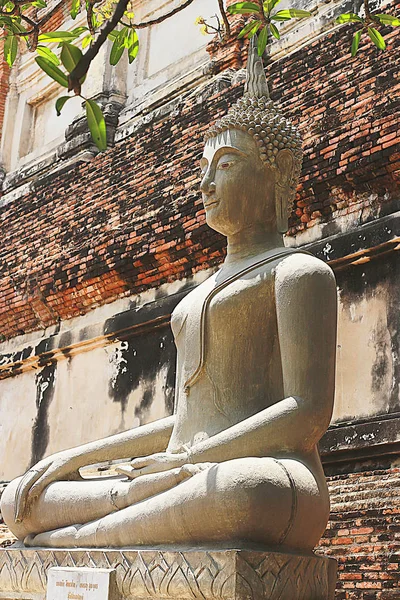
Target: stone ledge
[{"x": 177, "y": 575}]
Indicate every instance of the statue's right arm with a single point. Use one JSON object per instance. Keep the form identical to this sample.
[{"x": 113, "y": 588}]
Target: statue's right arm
[{"x": 141, "y": 441}]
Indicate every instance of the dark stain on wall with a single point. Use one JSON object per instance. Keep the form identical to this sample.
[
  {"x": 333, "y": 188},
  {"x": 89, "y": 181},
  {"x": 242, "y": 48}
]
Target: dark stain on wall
[
  {"x": 138, "y": 360},
  {"x": 45, "y": 381},
  {"x": 380, "y": 366}
]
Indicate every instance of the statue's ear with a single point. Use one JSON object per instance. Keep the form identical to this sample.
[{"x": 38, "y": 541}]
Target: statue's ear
[{"x": 284, "y": 162}]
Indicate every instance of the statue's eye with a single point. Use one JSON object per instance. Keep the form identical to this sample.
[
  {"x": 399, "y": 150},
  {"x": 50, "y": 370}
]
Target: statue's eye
[
  {"x": 224, "y": 164},
  {"x": 203, "y": 169}
]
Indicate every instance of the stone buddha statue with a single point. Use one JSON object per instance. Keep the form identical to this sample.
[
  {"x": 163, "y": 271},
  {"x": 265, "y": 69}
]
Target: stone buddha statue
[{"x": 237, "y": 463}]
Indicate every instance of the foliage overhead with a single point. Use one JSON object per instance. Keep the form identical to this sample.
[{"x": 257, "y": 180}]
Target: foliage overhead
[{"x": 66, "y": 56}]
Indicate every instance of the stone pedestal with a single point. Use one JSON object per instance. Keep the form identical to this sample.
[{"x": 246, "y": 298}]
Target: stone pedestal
[{"x": 177, "y": 575}]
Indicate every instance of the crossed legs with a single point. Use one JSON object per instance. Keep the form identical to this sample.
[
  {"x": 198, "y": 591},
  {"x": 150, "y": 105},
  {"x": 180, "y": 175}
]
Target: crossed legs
[{"x": 248, "y": 500}]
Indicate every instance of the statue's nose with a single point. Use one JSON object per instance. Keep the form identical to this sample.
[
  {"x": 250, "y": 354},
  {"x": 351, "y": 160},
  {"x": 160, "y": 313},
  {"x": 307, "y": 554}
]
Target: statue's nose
[{"x": 207, "y": 185}]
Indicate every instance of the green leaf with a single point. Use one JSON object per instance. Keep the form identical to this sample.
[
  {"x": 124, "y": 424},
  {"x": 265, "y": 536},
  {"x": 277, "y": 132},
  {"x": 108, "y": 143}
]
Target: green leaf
[
  {"x": 270, "y": 5},
  {"x": 70, "y": 56},
  {"x": 57, "y": 36},
  {"x": 349, "y": 18},
  {"x": 275, "y": 32},
  {"x": 113, "y": 35},
  {"x": 388, "y": 20},
  {"x": 355, "y": 43},
  {"x": 97, "y": 124},
  {"x": 52, "y": 71},
  {"x": 278, "y": 17},
  {"x": 299, "y": 14},
  {"x": 243, "y": 8},
  {"x": 75, "y": 8},
  {"x": 48, "y": 54},
  {"x": 78, "y": 30},
  {"x": 39, "y": 4},
  {"x": 118, "y": 46},
  {"x": 290, "y": 13},
  {"x": 4, "y": 20},
  {"x": 86, "y": 41},
  {"x": 247, "y": 28},
  {"x": 133, "y": 48},
  {"x": 60, "y": 103},
  {"x": 8, "y": 7},
  {"x": 10, "y": 49},
  {"x": 125, "y": 37},
  {"x": 17, "y": 28},
  {"x": 376, "y": 38},
  {"x": 262, "y": 40},
  {"x": 256, "y": 27}
]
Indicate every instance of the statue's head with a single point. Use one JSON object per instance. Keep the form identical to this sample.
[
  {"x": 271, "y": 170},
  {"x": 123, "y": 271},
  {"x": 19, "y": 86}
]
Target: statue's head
[{"x": 252, "y": 160}]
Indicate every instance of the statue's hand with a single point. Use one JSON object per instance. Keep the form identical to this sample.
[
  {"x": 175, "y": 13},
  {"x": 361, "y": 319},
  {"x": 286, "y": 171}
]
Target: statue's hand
[
  {"x": 155, "y": 463},
  {"x": 53, "y": 468}
]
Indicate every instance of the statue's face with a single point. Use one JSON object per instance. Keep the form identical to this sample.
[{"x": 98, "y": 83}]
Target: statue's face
[{"x": 237, "y": 188}]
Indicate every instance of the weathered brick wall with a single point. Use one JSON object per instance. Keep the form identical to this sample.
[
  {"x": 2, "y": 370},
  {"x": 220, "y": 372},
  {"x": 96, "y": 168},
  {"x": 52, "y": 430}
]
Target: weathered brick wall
[
  {"x": 363, "y": 533},
  {"x": 132, "y": 218}
]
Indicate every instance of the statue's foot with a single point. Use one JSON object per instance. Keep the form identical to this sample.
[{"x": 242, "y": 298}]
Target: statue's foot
[{"x": 65, "y": 537}]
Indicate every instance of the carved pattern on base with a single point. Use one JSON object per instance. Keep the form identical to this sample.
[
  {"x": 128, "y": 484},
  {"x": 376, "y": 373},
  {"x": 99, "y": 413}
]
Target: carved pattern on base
[{"x": 178, "y": 575}]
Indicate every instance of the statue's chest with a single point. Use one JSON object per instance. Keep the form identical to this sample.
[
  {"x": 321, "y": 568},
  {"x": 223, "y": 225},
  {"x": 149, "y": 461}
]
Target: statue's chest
[
  {"x": 222, "y": 327},
  {"x": 219, "y": 310}
]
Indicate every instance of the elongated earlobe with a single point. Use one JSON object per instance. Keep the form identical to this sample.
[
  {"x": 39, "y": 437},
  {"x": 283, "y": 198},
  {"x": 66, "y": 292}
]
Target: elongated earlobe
[{"x": 284, "y": 179}]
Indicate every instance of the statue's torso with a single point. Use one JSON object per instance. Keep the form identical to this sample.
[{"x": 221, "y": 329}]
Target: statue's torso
[{"x": 241, "y": 373}]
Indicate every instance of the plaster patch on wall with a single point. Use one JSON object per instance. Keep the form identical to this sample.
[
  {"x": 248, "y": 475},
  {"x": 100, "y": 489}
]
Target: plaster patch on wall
[{"x": 368, "y": 340}]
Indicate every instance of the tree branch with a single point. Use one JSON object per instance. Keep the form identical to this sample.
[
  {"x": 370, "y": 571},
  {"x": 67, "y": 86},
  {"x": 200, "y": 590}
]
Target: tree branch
[
  {"x": 89, "y": 16},
  {"x": 30, "y": 21},
  {"x": 367, "y": 11},
  {"x": 263, "y": 17},
  {"x": 83, "y": 65},
  {"x": 163, "y": 17},
  {"x": 224, "y": 18}
]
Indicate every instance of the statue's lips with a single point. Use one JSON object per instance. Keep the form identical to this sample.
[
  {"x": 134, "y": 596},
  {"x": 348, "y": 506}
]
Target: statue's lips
[{"x": 211, "y": 203}]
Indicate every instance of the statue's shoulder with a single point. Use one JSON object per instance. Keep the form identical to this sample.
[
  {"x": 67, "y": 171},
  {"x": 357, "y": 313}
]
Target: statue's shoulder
[{"x": 302, "y": 269}]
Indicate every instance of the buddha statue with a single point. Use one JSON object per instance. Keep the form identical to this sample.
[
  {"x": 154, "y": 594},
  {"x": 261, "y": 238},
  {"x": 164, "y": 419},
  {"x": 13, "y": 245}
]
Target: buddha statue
[{"x": 237, "y": 463}]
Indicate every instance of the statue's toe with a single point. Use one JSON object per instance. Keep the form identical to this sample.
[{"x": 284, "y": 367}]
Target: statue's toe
[
  {"x": 28, "y": 541},
  {"x": 58, "y": 538}
]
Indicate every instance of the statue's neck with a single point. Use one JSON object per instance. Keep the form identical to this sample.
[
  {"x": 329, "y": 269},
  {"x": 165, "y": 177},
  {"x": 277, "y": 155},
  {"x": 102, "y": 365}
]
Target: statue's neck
[{"x": 251, "y": 241}]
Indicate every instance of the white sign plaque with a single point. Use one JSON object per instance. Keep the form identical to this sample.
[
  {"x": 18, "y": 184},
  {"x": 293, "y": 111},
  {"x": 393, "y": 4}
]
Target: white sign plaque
[{"x": 80, "y": 583}]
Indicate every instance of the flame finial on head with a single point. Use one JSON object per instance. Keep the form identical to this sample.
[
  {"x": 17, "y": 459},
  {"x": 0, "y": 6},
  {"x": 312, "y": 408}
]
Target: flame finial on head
[{"x": 256, "y": 82}]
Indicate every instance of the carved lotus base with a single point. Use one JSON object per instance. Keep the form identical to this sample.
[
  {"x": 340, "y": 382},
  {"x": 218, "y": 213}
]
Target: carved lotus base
[{"x": 177, "y": 575}]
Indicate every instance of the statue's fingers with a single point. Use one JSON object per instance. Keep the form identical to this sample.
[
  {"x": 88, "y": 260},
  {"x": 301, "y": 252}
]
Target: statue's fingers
[
  {"x": 156, "y": 467},
  {"x": 40, "y": 484},
  {"x": 23, "y": 489},
  {"x": 143, "y": 461},
  {"x": 135, "y": 473}
]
